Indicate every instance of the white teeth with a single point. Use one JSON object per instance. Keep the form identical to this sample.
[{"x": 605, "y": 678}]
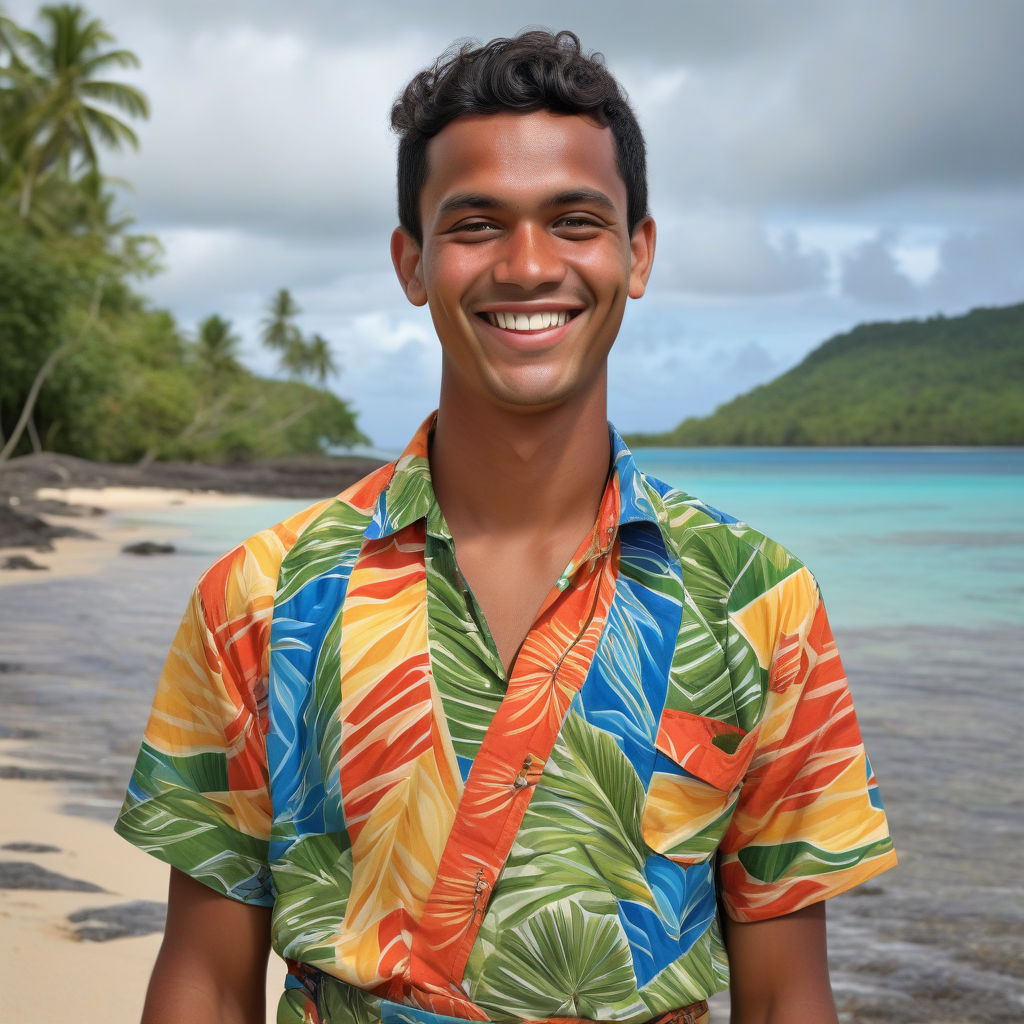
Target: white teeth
[{"x": 528, "y": 321}]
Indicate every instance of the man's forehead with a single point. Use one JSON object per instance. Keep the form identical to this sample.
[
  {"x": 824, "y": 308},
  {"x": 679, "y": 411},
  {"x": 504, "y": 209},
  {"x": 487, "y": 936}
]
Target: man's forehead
[
  {"x": 476, "y": 128},
  {"x": 514, "y": 149}
]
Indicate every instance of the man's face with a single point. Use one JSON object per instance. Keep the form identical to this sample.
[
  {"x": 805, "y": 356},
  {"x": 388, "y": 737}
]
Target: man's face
[{"x": 526, "y": 259}]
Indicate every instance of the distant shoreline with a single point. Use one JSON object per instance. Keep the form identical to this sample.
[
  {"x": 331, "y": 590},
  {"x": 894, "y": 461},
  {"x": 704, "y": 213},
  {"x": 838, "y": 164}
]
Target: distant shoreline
[
  {"x": 306, "y": 476},
  {"x": 47, "y": 497},
  {"x": 659, "y": 441}
]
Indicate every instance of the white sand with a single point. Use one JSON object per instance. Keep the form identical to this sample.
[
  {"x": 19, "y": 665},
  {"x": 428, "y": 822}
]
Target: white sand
[
  {"x": 111, "y": 532},
  {"x": 44, "y": 969}
]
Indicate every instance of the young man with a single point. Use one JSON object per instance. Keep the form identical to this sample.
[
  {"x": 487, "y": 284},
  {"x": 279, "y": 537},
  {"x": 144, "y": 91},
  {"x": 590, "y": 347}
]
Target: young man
[{"x": 493, "y": 734}]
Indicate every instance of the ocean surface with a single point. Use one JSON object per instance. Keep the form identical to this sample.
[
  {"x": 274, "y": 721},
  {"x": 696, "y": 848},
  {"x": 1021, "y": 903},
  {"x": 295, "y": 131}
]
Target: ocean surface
[{"x": 920, "y": 556}]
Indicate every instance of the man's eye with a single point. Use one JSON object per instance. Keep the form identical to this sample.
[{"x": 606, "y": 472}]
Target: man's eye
[
  {"x": 473, "y": 227},
  {"x": 578, "y": 222}
]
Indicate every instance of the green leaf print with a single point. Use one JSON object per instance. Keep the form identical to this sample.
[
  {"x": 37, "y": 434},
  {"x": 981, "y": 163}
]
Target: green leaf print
[
  {"x": 565, "y": 961},
  {"x": 313, "y": 882},
  {"x": 703, "y": 970},
  {"x": 586, "y": 813},
  {"x": 335, "y": 534}
]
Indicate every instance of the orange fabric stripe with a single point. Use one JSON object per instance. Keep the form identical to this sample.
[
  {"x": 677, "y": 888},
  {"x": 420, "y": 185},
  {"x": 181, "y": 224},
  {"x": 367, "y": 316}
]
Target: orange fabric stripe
[{"x": 549, "y": 670}]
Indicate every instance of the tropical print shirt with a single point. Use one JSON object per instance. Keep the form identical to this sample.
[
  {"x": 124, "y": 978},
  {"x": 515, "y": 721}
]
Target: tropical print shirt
[{"x": 334, "y": 735}]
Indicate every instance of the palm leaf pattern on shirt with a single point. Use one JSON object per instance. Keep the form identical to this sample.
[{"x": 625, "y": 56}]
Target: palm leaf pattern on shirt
[
  {"x": 383, "y": 683},
  {"x": 568, "y": 959},
  {"x": 467, "y": 671}
]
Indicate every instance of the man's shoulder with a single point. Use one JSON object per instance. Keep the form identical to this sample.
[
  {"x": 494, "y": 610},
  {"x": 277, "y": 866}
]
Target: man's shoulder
[
  {"x": 700, "y": 534},
  {"x": 248, "y": 576}
]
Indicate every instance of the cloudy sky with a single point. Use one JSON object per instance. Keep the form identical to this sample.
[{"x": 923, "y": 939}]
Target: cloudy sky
[{"x": 813, "y": 165}]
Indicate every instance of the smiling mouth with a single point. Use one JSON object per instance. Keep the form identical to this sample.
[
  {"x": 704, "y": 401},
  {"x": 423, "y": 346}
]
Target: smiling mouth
[{"x": 544, "y": 320}]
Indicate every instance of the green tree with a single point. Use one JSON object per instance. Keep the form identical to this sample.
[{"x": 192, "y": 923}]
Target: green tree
[
  {"x": 217, "y": 349},
  {"x": 279, "y": 332},
  {"x": 299, "y": 357},
  {"x": 58, "y": 108},
  {"x": 320, "y": 362}
]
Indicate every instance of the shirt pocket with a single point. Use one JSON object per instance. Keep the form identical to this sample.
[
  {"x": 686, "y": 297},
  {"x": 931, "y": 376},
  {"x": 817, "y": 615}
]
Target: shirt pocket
[{"x": 699, "y": 766}]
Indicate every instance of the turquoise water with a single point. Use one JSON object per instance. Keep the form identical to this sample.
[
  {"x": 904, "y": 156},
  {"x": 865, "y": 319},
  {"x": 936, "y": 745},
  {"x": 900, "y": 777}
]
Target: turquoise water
[
  {"x": 931, "y": 537},
  {"x": 919, "y": 537}
]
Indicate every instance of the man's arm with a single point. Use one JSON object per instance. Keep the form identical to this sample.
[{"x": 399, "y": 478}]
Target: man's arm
[
  {"x": 779, "y": 969},
  {"x": 212, "y": 966}
]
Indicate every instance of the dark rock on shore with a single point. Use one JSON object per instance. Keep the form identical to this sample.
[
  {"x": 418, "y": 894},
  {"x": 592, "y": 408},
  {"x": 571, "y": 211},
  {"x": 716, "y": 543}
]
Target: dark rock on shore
[
  {"x": 30, "y": 848},
  {"x": 100, "y": 924},
  {"x": 23, "y": 529},
  {"x": 19, "y": 771},
  {"x": 148, "y": 547},
  {"x": 16, "y": 874},
  {"x": 21, "y": 562}
]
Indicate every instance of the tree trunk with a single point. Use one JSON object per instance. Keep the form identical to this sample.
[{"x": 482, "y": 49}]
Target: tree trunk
[
  {"x": 33, "y": 435},
  {"x": 30, "y": 402},
  {"x": 44, "y": 371}
]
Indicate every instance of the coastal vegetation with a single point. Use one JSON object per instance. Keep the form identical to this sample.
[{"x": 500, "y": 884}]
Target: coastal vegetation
[
  {"x": 89, "y": 367},
  {"x": 940, "y": 381}
]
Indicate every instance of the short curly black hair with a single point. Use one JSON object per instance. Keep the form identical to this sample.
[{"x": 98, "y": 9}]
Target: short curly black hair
[{"x": 535, "y": 70}]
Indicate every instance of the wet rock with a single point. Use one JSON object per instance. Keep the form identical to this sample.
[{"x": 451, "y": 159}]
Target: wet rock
[
  {"x": 148, "y": 547},
  {"x": 100, "y": 924},
  {"x": 30, "y": 848},
  {"x": 21, "y": 562},
  {"x": 20, "y": 529},
  {"x": 16, "y": 874}
]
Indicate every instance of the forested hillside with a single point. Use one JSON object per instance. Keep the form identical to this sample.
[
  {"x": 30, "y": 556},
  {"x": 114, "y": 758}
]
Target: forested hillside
[{"x": 940, "y": 381}]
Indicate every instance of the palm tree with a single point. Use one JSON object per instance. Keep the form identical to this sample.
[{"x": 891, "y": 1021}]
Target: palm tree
[
  {"x": 279, "y": 332},
  {"x": 64, "y": 106},
  {"x": 298, "y": 356},
  {"x": 217, "y": 348},
  {"x": 320, "y": 362}
]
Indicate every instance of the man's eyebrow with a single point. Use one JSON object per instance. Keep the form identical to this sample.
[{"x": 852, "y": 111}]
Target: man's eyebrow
[
  {"x": 480, "y": 201},
  {"x": 587, "y": 196},
  {"x": 468, "y": 201}
]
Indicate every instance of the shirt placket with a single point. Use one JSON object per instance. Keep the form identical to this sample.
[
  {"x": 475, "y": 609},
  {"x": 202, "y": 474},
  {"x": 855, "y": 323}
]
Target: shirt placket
[{"x": 549, "y": 669}]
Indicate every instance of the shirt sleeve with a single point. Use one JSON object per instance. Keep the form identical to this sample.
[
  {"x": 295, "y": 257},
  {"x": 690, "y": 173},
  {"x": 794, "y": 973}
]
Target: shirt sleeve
[
  {"x": 199, "y": 795},
  {"x": 809, "y": 821}
]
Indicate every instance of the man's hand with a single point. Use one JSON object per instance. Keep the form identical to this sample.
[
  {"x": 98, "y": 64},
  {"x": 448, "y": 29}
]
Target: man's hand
[
  {"x": 212, "y": 966},
  {"x": 779, "y": 969}
]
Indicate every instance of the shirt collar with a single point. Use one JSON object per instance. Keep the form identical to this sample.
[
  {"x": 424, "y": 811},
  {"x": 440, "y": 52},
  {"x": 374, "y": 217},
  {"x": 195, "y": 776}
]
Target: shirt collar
[
  {"x": 635, "y": 505},
  {"x": 409, "y": 496}
]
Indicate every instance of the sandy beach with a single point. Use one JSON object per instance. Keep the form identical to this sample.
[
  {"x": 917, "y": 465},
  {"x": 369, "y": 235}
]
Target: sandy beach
[
  {"x": 69, "y": 887},
  {"x": 111, "y": 520},
  {"x": 75, "y": 898}
]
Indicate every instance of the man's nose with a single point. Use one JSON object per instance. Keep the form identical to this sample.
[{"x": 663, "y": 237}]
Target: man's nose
[{"x": 529, "y": 258}]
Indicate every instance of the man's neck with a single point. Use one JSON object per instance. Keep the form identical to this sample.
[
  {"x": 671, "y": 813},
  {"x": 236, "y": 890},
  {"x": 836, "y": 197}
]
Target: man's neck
[{"x": 498, "y": 472}]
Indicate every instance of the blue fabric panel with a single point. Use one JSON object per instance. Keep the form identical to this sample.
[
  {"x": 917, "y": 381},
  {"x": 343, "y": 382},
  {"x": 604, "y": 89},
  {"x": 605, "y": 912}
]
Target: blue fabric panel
[
  {"x": 296, "y": 729},
  {"x": 657, "y": 939},
  {"x": 465, "y": 764},
  {"x": 625, "y": 689}
]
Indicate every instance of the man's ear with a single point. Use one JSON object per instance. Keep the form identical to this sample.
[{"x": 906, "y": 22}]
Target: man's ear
[
  {"x": 641, "y": 256},
  {"x": 407, "y": 257}
]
